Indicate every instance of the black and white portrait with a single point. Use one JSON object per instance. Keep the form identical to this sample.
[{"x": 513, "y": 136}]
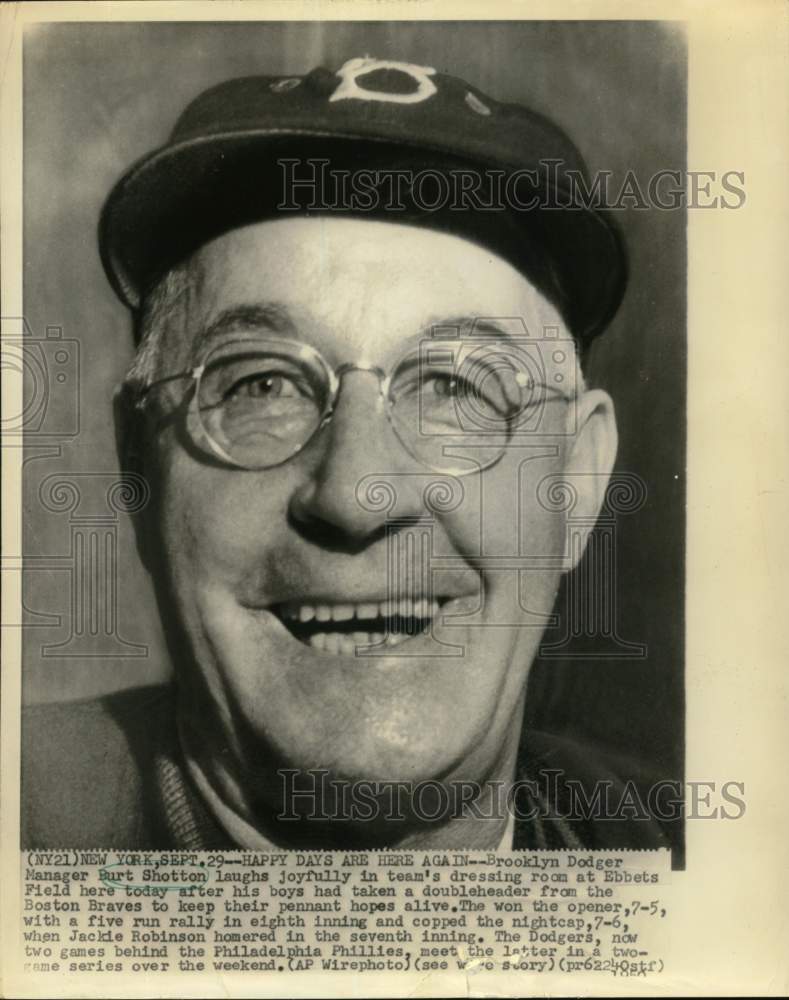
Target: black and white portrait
[{"x": 355, "y": 434}]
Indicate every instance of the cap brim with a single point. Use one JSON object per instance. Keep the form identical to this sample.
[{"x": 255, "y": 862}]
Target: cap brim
[{"x": 178, "y": 198}]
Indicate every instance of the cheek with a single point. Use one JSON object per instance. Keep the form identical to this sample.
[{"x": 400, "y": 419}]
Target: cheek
[
  {"x": 216, "y": 523},
  {"x": 504, "y": 512}
]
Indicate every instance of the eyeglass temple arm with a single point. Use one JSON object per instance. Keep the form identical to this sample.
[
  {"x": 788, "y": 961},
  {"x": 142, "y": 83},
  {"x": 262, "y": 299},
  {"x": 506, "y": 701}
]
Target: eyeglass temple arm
[{"x": 142, "y": 394}]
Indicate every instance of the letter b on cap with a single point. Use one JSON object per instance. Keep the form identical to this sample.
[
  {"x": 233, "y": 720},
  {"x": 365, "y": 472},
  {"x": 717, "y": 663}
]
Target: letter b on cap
[{"x": 355, "y": 68}]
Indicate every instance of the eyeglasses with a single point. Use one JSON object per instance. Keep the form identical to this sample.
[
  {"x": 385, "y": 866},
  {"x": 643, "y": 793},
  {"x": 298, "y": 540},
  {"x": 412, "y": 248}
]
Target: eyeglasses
[{"x": 454, "y": 405}]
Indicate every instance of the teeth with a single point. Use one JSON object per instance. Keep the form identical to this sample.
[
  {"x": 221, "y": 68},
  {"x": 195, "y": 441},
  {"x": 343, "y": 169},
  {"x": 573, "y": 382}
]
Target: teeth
[
  {"x": 406, "y": 612},
  {"x": 406, "y": 607},
  {"x": 347, "y": 645},
  {"x": 335, "y": 642}
]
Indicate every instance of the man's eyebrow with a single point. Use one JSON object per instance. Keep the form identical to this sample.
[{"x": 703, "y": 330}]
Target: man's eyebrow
[
  {"x": 269, "y": 316},
  {"x": 466, "y": 325}
]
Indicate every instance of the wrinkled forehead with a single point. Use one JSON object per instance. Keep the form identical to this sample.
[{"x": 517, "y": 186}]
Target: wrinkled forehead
[{"x": 359, "y": 288}]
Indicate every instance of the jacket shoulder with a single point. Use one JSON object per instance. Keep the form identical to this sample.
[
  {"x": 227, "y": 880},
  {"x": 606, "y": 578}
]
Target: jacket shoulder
[
  {"x": 84, "y": 765},
  {"x": 602, "y": 799}
]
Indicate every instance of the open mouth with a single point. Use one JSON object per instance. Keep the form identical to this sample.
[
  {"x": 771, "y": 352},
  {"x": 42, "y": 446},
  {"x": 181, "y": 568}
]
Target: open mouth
[{"x": 342, "y": 628}]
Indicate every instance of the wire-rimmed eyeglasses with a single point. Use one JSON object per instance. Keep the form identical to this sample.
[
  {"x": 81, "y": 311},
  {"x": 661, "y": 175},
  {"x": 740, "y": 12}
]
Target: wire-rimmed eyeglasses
[{"x": 454, "y": 405}]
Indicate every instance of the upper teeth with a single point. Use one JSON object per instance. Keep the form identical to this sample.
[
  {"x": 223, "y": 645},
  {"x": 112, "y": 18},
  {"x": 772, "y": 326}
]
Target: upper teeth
[{"x": 406, "y": 607}]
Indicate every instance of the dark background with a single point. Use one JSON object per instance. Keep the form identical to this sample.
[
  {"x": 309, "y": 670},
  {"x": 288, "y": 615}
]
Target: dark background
[{"x": 98, "y": 96}]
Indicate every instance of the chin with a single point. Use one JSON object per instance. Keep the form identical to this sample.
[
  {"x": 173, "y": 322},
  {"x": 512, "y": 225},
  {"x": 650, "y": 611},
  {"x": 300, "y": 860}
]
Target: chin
[{"x": 374, "y": 711}]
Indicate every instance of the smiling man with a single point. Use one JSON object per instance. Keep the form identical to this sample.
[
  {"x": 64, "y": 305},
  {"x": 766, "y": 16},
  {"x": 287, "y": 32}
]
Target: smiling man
[{"x": 361, "y": 299}]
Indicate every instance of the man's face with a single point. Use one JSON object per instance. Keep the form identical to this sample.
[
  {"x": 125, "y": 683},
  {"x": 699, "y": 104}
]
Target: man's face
[{"x": 243, "y": 549}]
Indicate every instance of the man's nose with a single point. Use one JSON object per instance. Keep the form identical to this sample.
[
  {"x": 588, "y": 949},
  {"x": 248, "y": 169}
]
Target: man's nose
[{"x": 330, "y": 505}]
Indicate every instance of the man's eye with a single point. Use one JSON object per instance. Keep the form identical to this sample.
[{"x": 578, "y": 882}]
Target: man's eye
[
  {"x": 445, "y": 387},
  {"x": 442, "y": 386},
  {"x": 263, "y": 386}
]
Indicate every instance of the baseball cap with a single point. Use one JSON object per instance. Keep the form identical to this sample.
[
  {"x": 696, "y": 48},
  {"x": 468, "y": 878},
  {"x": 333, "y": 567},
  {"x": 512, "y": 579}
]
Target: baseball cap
[{"x": 260, "y": 147}]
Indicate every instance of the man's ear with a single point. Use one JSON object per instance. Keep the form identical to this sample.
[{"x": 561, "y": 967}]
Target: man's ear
[
  {"x": 130, "y": 447},
  {"x": 589, "y": 460}
]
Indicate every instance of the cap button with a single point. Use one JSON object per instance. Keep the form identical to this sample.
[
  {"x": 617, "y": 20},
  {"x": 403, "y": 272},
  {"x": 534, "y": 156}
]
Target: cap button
[
  {"x": 476, "y": 104},
  {"x": 284, "y": 85}
]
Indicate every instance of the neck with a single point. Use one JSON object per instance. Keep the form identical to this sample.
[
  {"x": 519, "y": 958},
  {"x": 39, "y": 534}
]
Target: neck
[{"x": 478, "y": 822}]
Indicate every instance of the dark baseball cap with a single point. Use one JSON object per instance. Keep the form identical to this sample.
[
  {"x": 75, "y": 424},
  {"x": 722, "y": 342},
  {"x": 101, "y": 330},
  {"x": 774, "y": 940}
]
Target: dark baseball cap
[{"x": 262, "y": 147}]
